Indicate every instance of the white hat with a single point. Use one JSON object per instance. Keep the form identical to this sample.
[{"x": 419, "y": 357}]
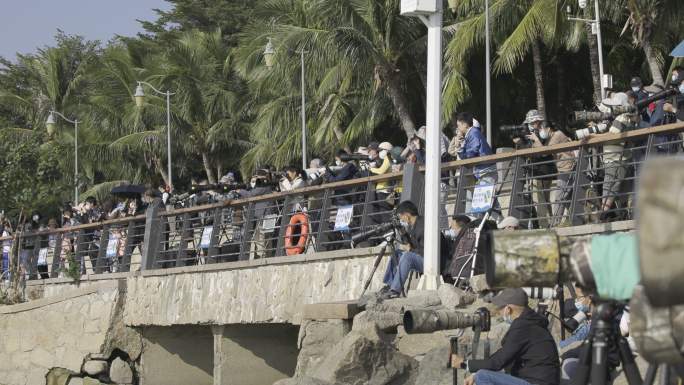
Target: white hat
[
  {"x": 616, "y": 99},
  {"x": 533, "y": 116},
  {"x": 509, "y": 222},
  {"x": 386, "y": 146},
  {"x": 421, "y": 132}
]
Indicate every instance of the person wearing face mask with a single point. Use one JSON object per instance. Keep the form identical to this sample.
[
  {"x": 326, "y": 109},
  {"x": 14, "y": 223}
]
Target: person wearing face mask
[
  {"x": 565, "y": 164},
  {"x": 637, "y": 87},
  {"x": 410, "y": 255},
  {"x": 259, "y": 185},
  {"x": 383, "y": 200},
  {"x": 579, "y": 318},
  {"x": 528, "y": 351},
  {"x": 346, "y": 170}
]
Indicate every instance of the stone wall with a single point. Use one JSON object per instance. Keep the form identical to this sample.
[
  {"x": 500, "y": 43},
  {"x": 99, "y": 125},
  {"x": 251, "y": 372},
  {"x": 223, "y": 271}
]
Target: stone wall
[
  {"x": 273, "y": 293},
  {"x": 54, "y": 332}
]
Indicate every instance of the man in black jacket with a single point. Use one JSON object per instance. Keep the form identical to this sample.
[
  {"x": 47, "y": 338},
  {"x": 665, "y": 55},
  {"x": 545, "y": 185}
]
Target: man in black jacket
[
  {"x": 410, "y": 256},
  {"x": 528, "y": 351}
]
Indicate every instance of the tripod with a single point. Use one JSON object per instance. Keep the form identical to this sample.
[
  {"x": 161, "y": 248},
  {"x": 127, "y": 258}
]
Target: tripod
[
  {"x": 605, "y": 337},
  {"x": 390, "y": 237}
]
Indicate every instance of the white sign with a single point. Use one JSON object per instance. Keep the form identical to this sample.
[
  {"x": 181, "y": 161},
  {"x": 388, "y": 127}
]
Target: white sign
[
  {"x": 112, "y": 247},
  {"x": 269, "y": 223},
  {"x": 483, "y": 196},
  {"x": 344, "y": 218},
  {"x": 42, "y": 257},
  {"x": 206, "y": 237}
]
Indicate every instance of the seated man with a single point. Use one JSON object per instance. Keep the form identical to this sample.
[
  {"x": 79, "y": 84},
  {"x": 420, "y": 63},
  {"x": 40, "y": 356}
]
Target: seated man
[
  {"x": 528, "y": 350},
  {"x": 410, "y": 257}
]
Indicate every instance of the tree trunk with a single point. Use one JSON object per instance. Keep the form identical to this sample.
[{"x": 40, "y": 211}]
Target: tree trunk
[
  {"x": 594, "y": 60},
  {"x": 162, "y": 172},
  {"x": 653, "y": 64},
  {"x": 339, "y": 135},
  {"x": 401, "y": 106},
  {"x": 219, "y": 171},
  {"x": 207, "y": 168},
  {"x": 539, "y": 77},
  {"x": 562, "y": 91}
]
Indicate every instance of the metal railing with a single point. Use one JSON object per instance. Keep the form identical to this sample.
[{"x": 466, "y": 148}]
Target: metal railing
[{"x": 567, "y": 184}]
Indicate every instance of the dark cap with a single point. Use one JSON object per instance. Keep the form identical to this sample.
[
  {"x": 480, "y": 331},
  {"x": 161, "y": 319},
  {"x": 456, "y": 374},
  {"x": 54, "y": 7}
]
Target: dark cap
[
  {"x": 636, "y": 82},
  {"x": 510, "y": 297},
  {"x": 373, "y": 146}
]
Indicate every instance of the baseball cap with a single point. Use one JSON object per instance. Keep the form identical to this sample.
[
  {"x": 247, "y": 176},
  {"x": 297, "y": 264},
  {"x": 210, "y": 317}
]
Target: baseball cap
[
  {"x": 387, "y": 146},
  {"x": 509, "y": 222},
  {"x": 373, "y": 146},
  {"x": 636, "y": 82},
  {"x": 510, "y": 296},
  {"x": 533, "y": 116}
]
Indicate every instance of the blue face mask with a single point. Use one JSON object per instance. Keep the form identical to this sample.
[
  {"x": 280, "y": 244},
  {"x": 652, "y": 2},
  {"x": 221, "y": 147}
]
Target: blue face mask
[
  {"x": 581, "y": 307},
  {"x": 507, "y": 318}
]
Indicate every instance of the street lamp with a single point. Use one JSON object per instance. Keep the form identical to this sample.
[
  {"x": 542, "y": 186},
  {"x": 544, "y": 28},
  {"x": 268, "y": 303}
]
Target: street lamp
[
  {"x": 140, "y": 101},
  {"x": 269, "y": 56},
  {"x": 430, "y": 13},
  {"x": 50, "y": 124},
  {"x": 596, "y": 30}
]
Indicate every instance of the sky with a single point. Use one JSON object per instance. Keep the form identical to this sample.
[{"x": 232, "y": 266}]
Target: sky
[{"x": 29, "y": 24}]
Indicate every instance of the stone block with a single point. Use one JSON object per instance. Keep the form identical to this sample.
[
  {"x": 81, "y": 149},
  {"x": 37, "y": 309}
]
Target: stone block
[
  {"x": 416, "y": 345},
  {"x": 316, "y": 339},
  {"x": 120, "y": 372},
  {"x": 433, "y": 369},
  {"x": 479, "y": 283},
  {"x": 371, "y": 319},
  {"x": 75, "y": 381},
  {"x": 95, "y": 367},
  {"x": 453, "y": 297},
  {"x": 301, "y": 381},
  {"x": 332, "y": 310},
  {"x": 364, "y": 358}
]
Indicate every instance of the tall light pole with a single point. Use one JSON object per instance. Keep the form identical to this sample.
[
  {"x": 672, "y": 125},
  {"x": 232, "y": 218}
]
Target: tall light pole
[
  {"x": 269, "y": 56},
  {"x": 595, "y": 29},
  {"x": 488, "y": 78},
  {"x": 430, "y": 12},
  {"x": 50, "y": 124},
  {"x": 140, "y": 101}
]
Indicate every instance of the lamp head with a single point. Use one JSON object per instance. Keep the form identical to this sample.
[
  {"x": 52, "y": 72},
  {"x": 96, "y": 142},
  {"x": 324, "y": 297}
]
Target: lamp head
[
  {"x": 139, "y": 95},
  {"x": 50, "y": 124},
  {"x": 269, "y": 53},
  {"x": 582, "y": 3}
]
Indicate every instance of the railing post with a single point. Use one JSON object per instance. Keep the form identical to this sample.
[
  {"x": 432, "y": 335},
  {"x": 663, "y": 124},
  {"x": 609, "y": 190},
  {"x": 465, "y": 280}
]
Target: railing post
[
  {"x": 101, "y": 260},
  {"x": 288, "y": 207},
  {"x": 183, "y": 243},
  {"x": 79, "y": 257},
  {"x": 212, "y": 251},
  {"x": 413, "y": 186},
  {"x": 128, "y": 249},
  {"x": 323, "y": 219},
  {"x": 246, "y": 231},
  {"x": 516, "y": 188},
  {"x": 57, "y": 256},
  {"x": 153, "y": 229},
  {"x": 370, "y": 190},
  {"x": 579, "y": 193},
  {"x": 461, "y": 194}
]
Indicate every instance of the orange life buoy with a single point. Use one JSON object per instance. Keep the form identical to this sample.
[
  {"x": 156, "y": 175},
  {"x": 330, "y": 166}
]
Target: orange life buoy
[{"x": 303, "y": 221}]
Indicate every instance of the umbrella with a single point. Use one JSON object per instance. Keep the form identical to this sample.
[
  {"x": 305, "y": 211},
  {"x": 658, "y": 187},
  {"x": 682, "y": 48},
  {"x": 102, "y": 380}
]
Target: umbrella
[
  {"x": 678, "y": 51},
  {"x": 128, "y": 190}
]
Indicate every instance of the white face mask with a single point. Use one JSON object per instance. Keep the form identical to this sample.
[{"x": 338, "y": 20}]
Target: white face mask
[
  {"x": 674, "y": 77},
  {"x": 383, "y": 154},
  {"x": 451, "y": 233},
  {"x": 636, "y": 89},
  {"x": 543, "y": 134},
  {"x": 36, "y": 218},
  {"x": 507, "y": 318},
  {"x": 338, "y": 162},
  {"x": 252, "y": 184}
]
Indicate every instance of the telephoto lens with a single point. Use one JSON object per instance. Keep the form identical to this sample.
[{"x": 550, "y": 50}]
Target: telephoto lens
[{"x": 428, "y": 321}]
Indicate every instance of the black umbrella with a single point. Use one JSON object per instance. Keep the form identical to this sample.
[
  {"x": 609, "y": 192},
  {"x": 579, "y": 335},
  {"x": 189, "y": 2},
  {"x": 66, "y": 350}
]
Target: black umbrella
[{"x": 128, "y": 190}]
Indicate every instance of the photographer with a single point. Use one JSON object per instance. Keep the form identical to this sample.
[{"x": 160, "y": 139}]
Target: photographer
[
  {"x": 383, "y": 201},
  {"x": 615, "y": 156},
  {"x": 565, "y": 164},
  {"x": 528, "y": 351},
  {"x": 544, "y": 170},
  {"x": 579, "y": 317},
  {"x": 259, "y": 185},
  {"x": 410, "y": 255}
]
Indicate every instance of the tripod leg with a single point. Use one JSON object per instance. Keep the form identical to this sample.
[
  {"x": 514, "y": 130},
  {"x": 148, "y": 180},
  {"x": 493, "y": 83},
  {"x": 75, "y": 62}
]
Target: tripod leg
[
  {"x": 664, "y": 374},
  {"x": 378, "y": 259},
  {"x": 628, "y": 365},
  {"x": 581, "y": 376},
  {"x": 651, "y": 374}
]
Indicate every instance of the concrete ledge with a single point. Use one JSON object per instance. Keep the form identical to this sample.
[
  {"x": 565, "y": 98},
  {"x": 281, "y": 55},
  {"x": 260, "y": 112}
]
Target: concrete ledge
[
  {"x": 75, "y": 293},
  {"x": 344, "y": 310},
  {"x": 595, "y": 228},
  {"x": 85, "y": 278}
]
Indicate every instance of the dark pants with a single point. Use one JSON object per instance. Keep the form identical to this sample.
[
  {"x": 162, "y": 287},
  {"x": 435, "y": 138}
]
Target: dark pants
[
  {"x": 396, "y": 276},
  {"x": 487, "y": 377}
]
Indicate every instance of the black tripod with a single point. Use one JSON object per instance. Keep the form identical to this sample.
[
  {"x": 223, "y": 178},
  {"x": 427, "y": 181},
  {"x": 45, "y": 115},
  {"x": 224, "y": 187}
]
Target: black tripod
[
  {"x": 603, "y": 339},
  {"x": 390, "y": 237}
]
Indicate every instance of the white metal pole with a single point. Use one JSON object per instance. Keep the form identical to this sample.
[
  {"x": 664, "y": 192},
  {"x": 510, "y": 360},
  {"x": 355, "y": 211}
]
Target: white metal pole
[
  {"x": 489, "y": 75},
  {"x": 600, "y": 46},
  {"x": 75, "y": 162},
  {"x": 168, "y": 137},
  {"x": 431, "y": 278},
  {"x": 304, "y": 166}
]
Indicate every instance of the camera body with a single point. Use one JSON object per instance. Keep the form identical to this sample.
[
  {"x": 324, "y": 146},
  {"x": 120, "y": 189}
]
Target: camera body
[{"x": 393, "y": 225}]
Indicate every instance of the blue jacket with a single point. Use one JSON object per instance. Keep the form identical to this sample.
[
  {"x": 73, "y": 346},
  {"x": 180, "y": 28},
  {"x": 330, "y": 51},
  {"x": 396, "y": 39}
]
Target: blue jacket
[{"x": 475, "y": 146}]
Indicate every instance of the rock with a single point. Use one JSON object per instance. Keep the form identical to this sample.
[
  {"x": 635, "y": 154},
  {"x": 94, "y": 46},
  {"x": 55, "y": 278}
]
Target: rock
[
  {"x": 120, "y": 372},
  {"x": 370, "y": 319},
  {"x": 58, "y": 376},
  {"x": 75, "y": 381},
  {"x": 93, "y": 367},
  {"x": 433, "y": 368},
  {"x": 479, "y": 283},
  {"x": 415, "y": 300},
  {"x": 364, "y": 357},
  {"x": 316, "y": 339},
  {"x": 453, "y": 297},
  {"x": 417, "y": 345}
]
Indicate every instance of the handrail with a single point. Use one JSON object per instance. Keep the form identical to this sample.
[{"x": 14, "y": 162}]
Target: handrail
[{"x": 86, "y": 226}]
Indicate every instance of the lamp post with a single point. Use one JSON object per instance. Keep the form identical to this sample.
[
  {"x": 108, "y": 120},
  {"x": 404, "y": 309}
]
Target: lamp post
[
  {"x": 488, "y": 78},
  {"x": 269, "y": 56},
  {"x": 140, "y": 101},
  {"x": 50, "y": 124},
  {"x": 595, "y": 29},
  {"x": 430, "y": 13}
]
